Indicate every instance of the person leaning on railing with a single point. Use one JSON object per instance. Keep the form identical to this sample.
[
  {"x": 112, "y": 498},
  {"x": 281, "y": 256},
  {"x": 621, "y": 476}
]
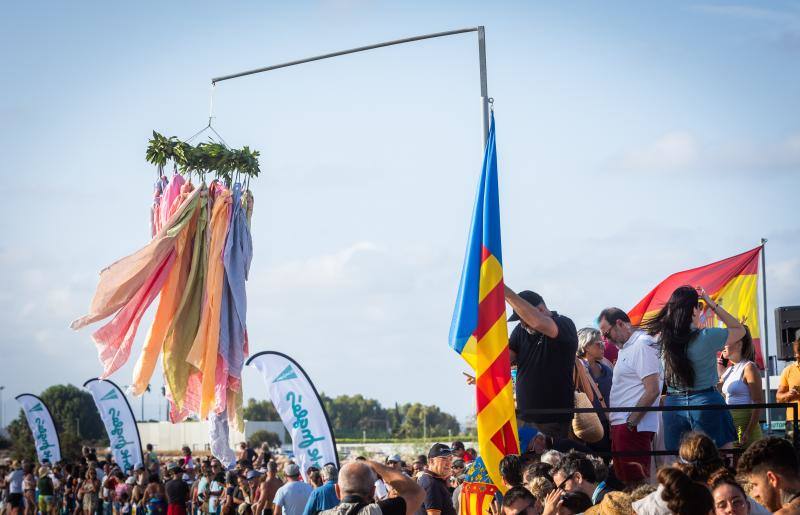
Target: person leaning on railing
[
  {"x": 740, "y": 383},
  {"x": 789, "y": 386}
]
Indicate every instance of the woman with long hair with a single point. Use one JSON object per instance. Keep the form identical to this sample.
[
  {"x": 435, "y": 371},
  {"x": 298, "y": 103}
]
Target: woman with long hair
[
  {"x": 740, "y": 383},
  {"x": 688, "y": 353},
  {"x": 89, "y": 492}
]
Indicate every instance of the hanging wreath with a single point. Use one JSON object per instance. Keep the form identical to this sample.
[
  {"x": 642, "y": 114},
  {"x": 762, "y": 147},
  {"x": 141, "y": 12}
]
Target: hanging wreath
[{"x": 203, "y": 158}]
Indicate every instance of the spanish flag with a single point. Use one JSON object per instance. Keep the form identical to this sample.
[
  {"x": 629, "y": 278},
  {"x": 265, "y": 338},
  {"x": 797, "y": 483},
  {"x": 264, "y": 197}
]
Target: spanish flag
[
  {"x": 478, "y": 331},
  {"x": 731, "y": 283}
]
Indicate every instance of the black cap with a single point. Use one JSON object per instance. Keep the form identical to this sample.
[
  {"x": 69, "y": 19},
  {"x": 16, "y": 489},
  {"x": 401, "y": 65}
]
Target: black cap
[
  {"x": 531, "y": 297},
  {"x": 439, "y": 450}
]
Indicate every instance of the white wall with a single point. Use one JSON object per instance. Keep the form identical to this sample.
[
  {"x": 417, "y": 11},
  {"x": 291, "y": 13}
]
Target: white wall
[{"x": 166, "y": 436}]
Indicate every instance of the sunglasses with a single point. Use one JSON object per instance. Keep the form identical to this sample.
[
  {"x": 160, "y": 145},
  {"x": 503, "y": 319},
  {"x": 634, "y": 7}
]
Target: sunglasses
[
  {"x": 561, "y": 485},
  {"x": 701, "y": 305}
]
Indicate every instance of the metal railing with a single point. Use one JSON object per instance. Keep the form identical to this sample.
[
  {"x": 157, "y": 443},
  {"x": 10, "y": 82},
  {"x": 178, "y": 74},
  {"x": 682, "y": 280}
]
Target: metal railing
[{"x": 645, "y": 409}]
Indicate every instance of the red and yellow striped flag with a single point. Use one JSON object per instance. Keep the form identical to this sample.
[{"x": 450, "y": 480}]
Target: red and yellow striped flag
[
  {"x": 732, "y": 283},
  {"x": 479, "y": 332}
]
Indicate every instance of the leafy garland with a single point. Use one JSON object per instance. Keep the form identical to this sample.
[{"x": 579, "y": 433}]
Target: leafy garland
[{"x": 204, "y": 158}]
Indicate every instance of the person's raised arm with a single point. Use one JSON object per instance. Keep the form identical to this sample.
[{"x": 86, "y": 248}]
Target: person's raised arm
[
  {"x": 407, "y": 488},
  {"x": 532, "y": 317},
  {"x": 735, "y": 328}
]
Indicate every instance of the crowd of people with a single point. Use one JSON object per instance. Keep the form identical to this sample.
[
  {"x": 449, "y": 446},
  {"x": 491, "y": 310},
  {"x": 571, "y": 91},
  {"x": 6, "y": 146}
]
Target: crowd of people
[
  {"x": 598, "y": 461},
  {"x": 673, "y": 359},
  {"x": 539, "y": 481}
]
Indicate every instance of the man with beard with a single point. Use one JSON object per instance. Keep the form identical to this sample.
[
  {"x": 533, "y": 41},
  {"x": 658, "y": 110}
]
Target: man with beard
[
  {"x": 770, "y": 466},
  {"x": 543, "y": 347}
]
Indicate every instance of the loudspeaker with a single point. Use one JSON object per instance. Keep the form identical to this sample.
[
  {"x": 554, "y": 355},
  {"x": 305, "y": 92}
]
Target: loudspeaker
[{"x": 787, "y": 323}]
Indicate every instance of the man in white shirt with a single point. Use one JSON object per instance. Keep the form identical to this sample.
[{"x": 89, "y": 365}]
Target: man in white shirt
[{"x": 637, "y": 382}]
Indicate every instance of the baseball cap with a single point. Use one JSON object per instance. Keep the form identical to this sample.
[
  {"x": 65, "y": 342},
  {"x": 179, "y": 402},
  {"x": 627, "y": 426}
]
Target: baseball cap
[
  {"x": 173, "y": 466},
  {"x": 291, "y": 470},
  {"x": 252, "y": 474},
  {"x": 531, "y": 297},
  {"x": 394, "y": 458},
  {"x": 139, "y": 466},
  {"x": 130, "y": 481},
  {"x": 439, "y": 450}
]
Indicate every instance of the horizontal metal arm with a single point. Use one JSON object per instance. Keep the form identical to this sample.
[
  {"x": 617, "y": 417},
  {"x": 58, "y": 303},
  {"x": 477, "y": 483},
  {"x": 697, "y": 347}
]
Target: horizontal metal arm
[{"x": 343, "y": 52}]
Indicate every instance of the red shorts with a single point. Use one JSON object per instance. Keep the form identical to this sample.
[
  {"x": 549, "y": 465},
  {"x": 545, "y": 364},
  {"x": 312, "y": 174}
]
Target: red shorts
[
  {"x": 631, "y": 469},
  {"x": 176, "y": 509}
]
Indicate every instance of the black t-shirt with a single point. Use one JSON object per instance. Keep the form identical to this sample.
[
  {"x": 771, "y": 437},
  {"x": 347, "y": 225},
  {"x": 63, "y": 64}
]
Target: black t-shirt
[
  {"x": 177, "y": 491},
  {"x": 544, "y": 369},
  {"x": 437, "y": 496}
]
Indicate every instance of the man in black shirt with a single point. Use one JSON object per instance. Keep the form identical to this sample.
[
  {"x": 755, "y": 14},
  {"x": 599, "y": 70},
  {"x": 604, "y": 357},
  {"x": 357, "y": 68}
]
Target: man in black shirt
[
  {"x": 543, "y": 346},
  {"x": 177, "y": 491},
  {"x": 438, "y": 497}
]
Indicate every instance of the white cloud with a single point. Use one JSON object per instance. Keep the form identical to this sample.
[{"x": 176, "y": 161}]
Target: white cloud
[
  {"x": 784, "y": 280},
  {"x": 674, "y": 150},
  {"x": 683, "y": 151},
  {"x": 334, "y": 270}
]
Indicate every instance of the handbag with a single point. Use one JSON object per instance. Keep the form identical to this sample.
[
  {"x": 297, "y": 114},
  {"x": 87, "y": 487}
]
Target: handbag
[{"x": 586, "y": 426}]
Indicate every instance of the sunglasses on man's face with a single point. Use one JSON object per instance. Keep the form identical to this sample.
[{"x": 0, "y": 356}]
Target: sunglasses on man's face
[{"x": 561, "y": 485}]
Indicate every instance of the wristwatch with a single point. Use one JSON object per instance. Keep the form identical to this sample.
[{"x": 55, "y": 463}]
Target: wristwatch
[{"x": 631, "y": 425}]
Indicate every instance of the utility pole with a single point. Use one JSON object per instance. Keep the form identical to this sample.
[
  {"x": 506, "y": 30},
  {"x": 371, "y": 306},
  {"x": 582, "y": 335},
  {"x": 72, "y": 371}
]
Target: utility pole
[{"x": 2, "y": 409}]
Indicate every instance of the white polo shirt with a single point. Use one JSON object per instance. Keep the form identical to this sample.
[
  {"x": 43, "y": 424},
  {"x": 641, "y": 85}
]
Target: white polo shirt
[{"x": 637, "y": 359}]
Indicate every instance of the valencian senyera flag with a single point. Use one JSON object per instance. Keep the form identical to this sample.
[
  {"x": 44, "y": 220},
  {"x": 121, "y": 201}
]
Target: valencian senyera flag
[
  {"x": 478, "y": 331},
  {"x": 477, "y": 490},
  {"x": 731, "y": 283}
]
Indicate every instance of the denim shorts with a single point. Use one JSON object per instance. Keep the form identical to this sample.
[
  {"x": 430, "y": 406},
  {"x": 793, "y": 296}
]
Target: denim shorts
[{"x": 716, "y": 424}]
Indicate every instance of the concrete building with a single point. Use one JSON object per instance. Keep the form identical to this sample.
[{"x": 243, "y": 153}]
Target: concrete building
[{"x": 166, "y": 436}]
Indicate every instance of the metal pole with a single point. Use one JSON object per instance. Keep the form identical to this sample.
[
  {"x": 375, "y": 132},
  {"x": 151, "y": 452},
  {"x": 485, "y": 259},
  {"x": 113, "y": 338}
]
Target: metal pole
[
  {"x": 481, "y": 61},
  {"x": 765, "y": 334},
  {"x": 2, "y": 409},
  {"x": 484, "y": 86},
  {"x": 345, "y": 52}
]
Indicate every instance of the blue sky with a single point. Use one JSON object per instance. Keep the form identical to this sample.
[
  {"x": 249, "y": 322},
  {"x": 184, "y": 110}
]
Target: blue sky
[{"x": 635, "y": 139}]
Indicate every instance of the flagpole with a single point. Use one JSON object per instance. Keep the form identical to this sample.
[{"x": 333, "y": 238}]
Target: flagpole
[
  {"x": 765, "y": 333},
  {"x": 485, "y": 100}
]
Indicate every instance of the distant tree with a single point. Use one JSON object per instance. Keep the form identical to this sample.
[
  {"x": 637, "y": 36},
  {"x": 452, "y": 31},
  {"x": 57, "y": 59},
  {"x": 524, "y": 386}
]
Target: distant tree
[
  {"x": 75, "y": 416},
  {"x": 263, "y": 436},
  {"x": 261, "y": 411},
  {"x": 352, "y": 415}
]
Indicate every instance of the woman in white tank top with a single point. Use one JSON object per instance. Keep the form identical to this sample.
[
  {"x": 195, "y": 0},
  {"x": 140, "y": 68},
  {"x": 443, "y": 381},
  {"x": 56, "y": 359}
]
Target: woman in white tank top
[{"x": 740, "y": 383}]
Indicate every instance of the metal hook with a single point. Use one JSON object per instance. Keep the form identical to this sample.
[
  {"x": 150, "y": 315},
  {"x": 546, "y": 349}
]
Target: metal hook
[{"x": 491, "y": 103}]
